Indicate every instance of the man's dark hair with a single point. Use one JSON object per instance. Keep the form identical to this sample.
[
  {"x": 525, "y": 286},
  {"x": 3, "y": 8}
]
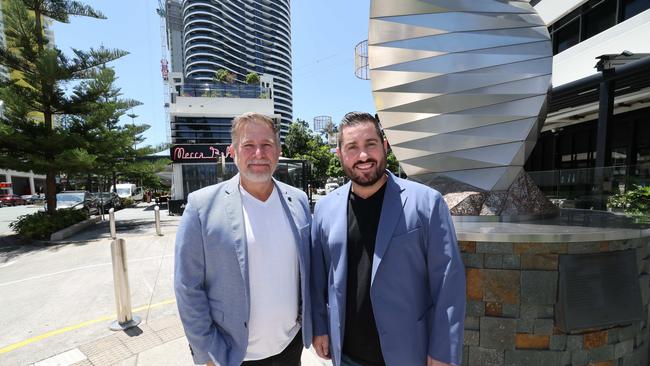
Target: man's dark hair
[{"x": 355, "y": 118}]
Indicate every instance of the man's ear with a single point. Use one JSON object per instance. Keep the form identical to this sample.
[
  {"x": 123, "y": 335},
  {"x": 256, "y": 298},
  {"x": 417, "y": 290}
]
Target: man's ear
[
  {"x": 230, "y": 151},
  {"x": 338, "y": 153}
]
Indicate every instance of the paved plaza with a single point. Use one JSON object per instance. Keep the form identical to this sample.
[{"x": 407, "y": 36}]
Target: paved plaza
[{"x": 57, "y": 299}]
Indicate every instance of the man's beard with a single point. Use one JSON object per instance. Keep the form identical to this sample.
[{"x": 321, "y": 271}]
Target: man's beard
[
  {"x": 257, "y": 177},
  {"x": 369, "y": 179}
]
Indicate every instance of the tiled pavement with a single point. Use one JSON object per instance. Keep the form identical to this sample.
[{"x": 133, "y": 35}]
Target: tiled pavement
[{"x": 159, "y": 342}]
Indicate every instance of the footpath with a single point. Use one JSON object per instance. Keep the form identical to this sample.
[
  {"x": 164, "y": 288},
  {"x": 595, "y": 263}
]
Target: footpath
[{"x": 82, "y": 337}]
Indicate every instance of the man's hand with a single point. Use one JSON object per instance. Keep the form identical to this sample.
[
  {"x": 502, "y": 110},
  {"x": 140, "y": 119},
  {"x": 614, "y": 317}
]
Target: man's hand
[
  {"x": 432, "y": 362},
  {"x": 210, "y": 363},
  {"x": 322, "y": 346}
]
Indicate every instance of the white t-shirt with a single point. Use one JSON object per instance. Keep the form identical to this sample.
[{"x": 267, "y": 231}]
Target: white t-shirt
[{"x": 273, "y": 276}]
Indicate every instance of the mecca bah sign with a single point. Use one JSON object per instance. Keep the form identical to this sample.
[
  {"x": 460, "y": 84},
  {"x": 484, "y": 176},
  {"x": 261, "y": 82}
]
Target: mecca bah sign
[{"x": 199, "y": 153}]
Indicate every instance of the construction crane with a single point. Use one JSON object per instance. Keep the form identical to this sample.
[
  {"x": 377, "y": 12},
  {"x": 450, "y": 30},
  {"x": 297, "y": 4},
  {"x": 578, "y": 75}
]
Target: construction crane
[{"x": 164, "y": 64}]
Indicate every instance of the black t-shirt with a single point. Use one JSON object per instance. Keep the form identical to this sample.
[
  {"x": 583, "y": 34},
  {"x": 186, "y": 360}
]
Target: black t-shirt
[{"x": 361, "y": 340}]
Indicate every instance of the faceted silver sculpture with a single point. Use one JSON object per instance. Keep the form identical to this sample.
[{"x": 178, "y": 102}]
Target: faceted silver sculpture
[{"x": 460, "y": 88}]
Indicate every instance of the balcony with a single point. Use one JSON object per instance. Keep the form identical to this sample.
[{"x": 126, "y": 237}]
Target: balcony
[{"x": 208, "y": 90}]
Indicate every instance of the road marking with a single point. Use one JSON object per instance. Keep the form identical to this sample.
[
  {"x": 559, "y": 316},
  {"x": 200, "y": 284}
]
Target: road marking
[
  {"x": 52, "y": 333},
  {"x": 8, "y": 264},
  {"x": 79, "y": 268}
]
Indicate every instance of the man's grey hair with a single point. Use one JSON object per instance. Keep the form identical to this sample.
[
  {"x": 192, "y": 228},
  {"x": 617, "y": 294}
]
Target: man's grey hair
[{"x": 242, "y": 120}]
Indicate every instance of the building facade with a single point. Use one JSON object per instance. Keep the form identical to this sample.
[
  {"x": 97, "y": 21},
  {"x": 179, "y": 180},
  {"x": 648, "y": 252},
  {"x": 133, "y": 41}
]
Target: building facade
[
  {"x": 201, "y": 118},
  {"x": 241, "y": 36},
  {"x": 596, "y": 138}
]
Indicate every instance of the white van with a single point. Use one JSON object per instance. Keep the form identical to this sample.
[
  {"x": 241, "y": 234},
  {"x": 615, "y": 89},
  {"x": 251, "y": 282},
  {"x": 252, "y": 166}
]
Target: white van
[
  {"x": 129, "y": 190},
  {"x": 329, "y": 187}
]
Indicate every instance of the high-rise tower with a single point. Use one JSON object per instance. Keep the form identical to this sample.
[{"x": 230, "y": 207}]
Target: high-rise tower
[{"x": 241, "y": 36}]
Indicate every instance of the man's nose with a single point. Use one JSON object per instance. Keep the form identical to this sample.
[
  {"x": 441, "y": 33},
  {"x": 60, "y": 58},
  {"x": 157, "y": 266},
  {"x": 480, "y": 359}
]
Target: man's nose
[
  {"x": 258, "y": 151},
  {"x": 363, "y": 155}
]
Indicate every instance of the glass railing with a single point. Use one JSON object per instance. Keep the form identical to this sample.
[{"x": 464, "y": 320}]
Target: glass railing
[
  {"x": 225, "y": 91},
  {"x": 592, "y": 188}
]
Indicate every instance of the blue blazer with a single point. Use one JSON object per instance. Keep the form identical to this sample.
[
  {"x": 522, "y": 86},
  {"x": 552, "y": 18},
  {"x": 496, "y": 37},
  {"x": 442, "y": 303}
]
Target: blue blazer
[
  {"x": 417, "y": 286},
  {"x": 211, "y": 270}
]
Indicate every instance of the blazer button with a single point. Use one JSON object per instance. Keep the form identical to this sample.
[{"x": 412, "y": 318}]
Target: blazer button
[{"x": 245, "y": 325}]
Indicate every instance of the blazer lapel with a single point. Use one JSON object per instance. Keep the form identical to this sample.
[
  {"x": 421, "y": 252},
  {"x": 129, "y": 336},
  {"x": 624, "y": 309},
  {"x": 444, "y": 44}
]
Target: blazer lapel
[
  {"x": 391, "y": 210},
  {"x": 338, "y": 243},
  {"x": 233, "y": 206}
]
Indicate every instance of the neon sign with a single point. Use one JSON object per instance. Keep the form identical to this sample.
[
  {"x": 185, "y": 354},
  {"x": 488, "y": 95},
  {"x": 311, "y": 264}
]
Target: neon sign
[{"x": 198, "y": 153}]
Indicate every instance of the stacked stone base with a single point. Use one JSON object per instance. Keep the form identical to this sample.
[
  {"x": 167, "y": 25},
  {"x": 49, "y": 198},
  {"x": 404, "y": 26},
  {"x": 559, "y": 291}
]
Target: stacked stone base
[{"x": 511, "y": 292}]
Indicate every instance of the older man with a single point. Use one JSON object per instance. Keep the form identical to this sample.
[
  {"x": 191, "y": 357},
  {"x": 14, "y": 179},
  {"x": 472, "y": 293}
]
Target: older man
[
  {"x": 388, "y": 283},
  {"x": 242, "y": 260}
]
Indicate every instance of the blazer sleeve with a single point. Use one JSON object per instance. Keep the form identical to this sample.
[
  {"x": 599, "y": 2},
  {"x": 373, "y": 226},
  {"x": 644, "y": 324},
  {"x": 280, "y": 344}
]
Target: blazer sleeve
[
  {"x": 189, "y": 286},
  {"x": 445, "y": 264},
  {"x": 318, "y": 278}
]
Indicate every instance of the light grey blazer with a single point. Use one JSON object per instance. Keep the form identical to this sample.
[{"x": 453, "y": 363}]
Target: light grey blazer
[{"x": 211, "y": 269}]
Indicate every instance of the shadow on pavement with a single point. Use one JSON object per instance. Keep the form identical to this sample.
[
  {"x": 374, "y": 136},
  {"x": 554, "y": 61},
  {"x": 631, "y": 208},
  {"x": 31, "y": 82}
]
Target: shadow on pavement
[
  {"x": 12, "y": 246},
  {"x": 150, "y": 207}
]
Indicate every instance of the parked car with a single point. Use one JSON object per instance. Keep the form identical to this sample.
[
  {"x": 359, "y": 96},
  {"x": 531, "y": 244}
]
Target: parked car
[
  {"x": 108, "y": 200},
  {"x": 12, "y": 200},
  {"x": 33, "y": 198},
  {"x": 329, "y": 187},
  {"x": 129, "y": 190},
  {"x": 162, "y": 199},
  {"x": 78, "y": 200},
  {"x": 320, "y": 191}
]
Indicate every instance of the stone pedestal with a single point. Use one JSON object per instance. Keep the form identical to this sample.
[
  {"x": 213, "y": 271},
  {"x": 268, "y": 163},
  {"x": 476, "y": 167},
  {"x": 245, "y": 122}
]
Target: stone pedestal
[{"x": 512, "y": 289}]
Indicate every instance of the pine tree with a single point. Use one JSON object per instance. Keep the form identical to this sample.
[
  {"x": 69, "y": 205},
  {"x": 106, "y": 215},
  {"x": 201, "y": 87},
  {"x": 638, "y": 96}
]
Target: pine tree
[
  {"x": 115, "y": 146},
  {"x": 30, "y": 139}
]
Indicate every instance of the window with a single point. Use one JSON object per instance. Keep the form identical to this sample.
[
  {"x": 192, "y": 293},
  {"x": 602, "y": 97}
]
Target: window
[
  {"x": 566, "y": 37},
  {"x": 601, "y": 17},
  {"x": 592, "y": 18},
  {"x": 633, "y": 7}
]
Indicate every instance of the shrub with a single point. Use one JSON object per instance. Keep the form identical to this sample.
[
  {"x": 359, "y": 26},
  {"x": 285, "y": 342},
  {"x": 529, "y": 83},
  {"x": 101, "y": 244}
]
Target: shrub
[
  {"x": 41, "y": 225},
  {"x": 252, "y": 78},
  {"x": 127, "y": 202},
  {"x": 634, "y": 202}
]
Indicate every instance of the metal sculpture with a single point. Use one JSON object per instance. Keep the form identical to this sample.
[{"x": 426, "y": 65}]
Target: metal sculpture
[
  {"x": 460, "y": 85},
  {"x": 460, "y": 88}
]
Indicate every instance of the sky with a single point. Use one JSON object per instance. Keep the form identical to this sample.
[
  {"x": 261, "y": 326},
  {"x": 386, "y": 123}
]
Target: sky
[{"x": 324, "y": 34}]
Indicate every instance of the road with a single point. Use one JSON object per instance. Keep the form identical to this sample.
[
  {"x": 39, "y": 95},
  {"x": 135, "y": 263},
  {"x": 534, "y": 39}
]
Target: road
[
  {"x": 68, "y": 288},
  {"x": 11, "y": 213}
]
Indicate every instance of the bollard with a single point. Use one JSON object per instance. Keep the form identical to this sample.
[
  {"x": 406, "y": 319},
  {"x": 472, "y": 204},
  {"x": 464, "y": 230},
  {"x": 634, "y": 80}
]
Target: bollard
[
  {"x": 125, "y": 319},
  {"x": 111, "y": 219},
  {"x": 156, "y": 210}
]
